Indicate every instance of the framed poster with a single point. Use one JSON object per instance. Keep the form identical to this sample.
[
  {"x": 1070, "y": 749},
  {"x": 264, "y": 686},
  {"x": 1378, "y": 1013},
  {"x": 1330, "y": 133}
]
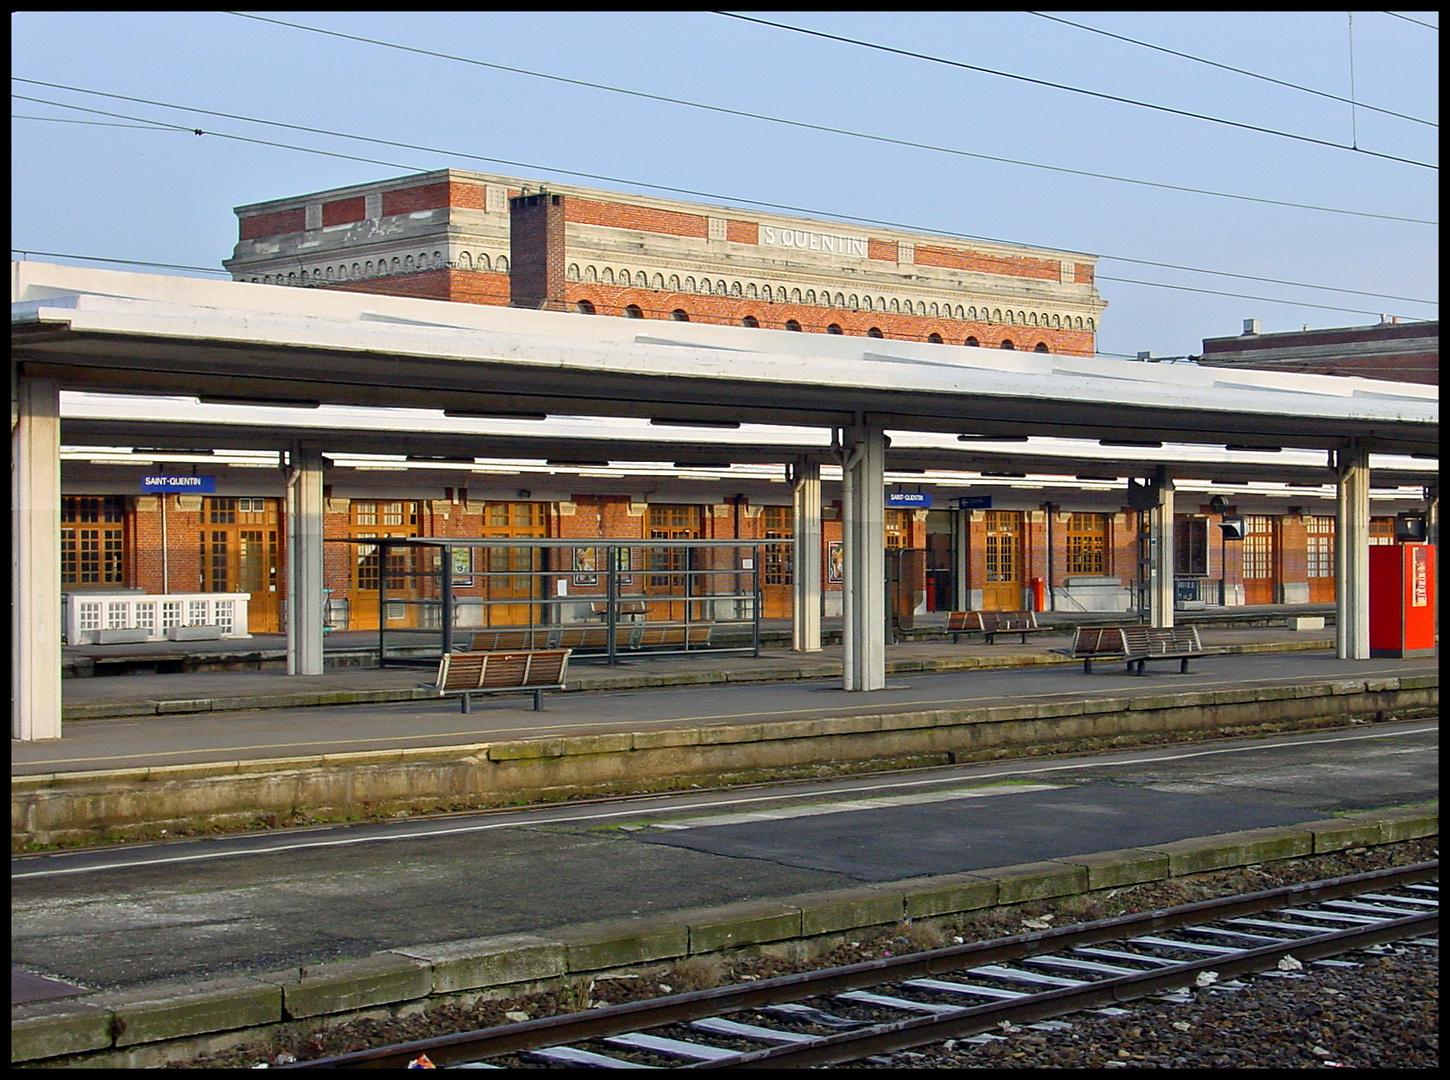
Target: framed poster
[
  {"x": 835, "y": 562},
  {"x": 622, "y": 568},
  {"x": 586, "y": 566},
  {"x": 462, "y": 566}
]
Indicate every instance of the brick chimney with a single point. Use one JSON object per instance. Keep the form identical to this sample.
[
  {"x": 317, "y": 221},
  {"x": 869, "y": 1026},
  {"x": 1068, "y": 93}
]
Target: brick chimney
[{"x": 536, "y": 251}]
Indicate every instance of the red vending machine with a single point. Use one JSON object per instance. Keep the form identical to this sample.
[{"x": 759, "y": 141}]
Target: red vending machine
[{"x": 1402, "y": 600}]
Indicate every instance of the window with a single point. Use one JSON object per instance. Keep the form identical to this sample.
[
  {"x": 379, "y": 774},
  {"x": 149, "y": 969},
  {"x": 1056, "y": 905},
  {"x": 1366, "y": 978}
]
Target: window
[
  {"x": 1040, "y": 347},
  {"x": 680, "y": 315},
  {"x": 383, "y": 513},
  {"x": 584, "y": 307},
  {"x": 1190, "y": 546},
  {"x": 898, "y": 528},
  {"x": 935, "y": 339},
  {"x": 1007, "y": 344},
  {"x": 834, "y": 328},
  {"x": 875, "y": 331},
  {"x": 1087, "y": 544},
  {"x": 633, "y": 312},
  {"x": 1319, "y": 554},
  {"x": 791, "y": 324},
  {"x": 750, "y": 320},
  {"x": 971, "y": 341},
  {"x": 92, "y": 539},
  {"x": 1381, "y": 530}
]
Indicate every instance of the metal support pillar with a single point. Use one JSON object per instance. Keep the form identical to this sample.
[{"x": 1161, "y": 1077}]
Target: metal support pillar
[
  {"x": 806, "y": 579},
  {"x": 1160, "y": 554},
  {"x": 863, "y": 634},
  {"x": 306, "y": 601},
  {"x": 1351, "y": 551},
  {"x": 35, "y": 611}
]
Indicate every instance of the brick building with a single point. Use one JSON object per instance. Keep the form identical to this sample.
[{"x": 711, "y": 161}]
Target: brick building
[
  {"x": 1392, "y": 350},
  {"x": 483, "y": 239}
]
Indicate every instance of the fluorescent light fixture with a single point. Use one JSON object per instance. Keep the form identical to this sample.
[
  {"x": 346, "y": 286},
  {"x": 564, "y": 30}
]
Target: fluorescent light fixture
[
  {"x": 495, "y": 414},
  {"x": 259, "y": 402},
  {"x": 665, "y": 421}
]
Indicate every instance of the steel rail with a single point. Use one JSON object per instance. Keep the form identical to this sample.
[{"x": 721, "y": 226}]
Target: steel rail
[{"x": 465, "y": 1047}]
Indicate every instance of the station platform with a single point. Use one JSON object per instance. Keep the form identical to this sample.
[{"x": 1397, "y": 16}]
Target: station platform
[{"x": 582, "y": 890}]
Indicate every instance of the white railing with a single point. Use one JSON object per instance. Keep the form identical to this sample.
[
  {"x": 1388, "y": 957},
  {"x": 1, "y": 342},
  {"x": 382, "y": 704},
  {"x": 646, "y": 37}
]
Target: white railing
[{"x": 94, "y": 618}]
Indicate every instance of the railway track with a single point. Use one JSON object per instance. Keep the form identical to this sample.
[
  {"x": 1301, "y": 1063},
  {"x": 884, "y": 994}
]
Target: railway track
[{"x": 965, "y": 991}]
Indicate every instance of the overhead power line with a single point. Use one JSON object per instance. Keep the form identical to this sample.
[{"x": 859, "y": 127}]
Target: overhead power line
[
  {"x": 825, "y": 128},
  {"x": 616, "y": 180},
  {"x": 1228, "y": 67},
  {"x": 24, "y": 252},
  {"x": 1076, "y": 90},
  {"x": 1417, "y": 22}
]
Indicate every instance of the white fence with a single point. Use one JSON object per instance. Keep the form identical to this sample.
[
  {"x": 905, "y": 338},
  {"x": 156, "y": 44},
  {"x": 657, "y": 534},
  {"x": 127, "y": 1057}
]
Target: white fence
[{"x": 105, "y": 618}]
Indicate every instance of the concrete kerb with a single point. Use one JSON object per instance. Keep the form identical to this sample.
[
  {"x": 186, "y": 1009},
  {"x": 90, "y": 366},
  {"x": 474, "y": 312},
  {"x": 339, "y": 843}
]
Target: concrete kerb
[
  {"x": 148, "y": 1026},
  {"x": 66, "y": 808}
]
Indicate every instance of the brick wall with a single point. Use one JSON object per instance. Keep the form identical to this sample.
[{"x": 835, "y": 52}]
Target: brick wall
[
  {"x": 731, "y": 311},
  {"x": 257, "y": 226},
  {"x": 1043, "y": 269},
  {"x": 641, "y": 218}
]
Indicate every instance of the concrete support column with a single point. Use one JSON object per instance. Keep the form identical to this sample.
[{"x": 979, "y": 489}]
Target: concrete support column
[
  {"x": 806, "y": 579},
  {"x": 305, "y": 598},
  {"x": 864, "y": 596},
  {"x": 1351, "y": 554},
  {"x": 1160, "y": 555},
  {"x": 35, "y": 613}
]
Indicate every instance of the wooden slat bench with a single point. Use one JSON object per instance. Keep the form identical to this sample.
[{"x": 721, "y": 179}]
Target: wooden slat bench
[
  {"x": 630, "y": 608},
  {"x": 472, "y": 673},
  {"x": 991, "y": 623},
  {"x": 673, "y": 637},
  {"x": 509, "y": 638},
  {"x": 592, "y": 637},
  {"x": 1136, "y": 645}
]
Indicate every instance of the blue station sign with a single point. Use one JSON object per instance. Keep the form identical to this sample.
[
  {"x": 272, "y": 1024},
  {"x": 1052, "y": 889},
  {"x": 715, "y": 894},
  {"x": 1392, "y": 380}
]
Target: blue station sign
[
  {"x": 203, "y": 484},
  {"x": 914, "y": 499},
  {"x": 974, "y": 502}
]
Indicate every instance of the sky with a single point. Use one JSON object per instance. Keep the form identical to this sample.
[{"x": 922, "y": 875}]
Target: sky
[{"x": 965, "y": 89}]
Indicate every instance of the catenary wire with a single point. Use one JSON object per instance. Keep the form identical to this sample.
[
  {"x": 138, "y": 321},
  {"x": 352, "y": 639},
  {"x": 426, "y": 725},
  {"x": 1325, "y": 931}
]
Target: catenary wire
[
  {"x": 1417, "y": 22},
  {"x": 659, "y": 187},
  {"x": 1229, "y": 67},
  {"x": 1076, "y": 90},
  {"x": 827, "y": 129}
]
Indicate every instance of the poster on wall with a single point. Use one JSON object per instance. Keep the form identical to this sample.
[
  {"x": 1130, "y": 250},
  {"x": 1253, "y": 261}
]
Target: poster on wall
[
  {"x": 586, "y": 566},
  {"x": 835, "y": 562},
  {"x": 462, "y": 567}
]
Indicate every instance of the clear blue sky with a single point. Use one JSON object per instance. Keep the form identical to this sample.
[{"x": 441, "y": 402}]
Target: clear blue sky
[{"x": 106, "y": 187}]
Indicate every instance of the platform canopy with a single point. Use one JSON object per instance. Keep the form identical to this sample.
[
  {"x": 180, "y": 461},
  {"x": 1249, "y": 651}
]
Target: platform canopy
[{"x": 260, "y": 344}]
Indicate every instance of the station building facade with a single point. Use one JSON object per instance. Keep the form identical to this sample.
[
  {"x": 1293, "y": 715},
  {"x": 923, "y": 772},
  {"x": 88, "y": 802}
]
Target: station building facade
[{"x": 986, "y": 542}]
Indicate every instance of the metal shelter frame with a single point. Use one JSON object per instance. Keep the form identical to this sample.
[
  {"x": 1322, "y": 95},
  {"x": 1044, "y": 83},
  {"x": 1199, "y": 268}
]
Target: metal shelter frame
[{"x": 693, "y": 588}]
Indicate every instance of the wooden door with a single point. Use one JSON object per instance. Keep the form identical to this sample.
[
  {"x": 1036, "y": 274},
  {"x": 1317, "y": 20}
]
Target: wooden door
[
  {"x": 1260, "y": 562},
  {"x": 777, "y": 575},
  {"x": 369, "y": 519},
  {"x": 240, "y": 552},
  {"x": 669, "y": 569},
  {"x": 1002, "y": 561},
  {"x": 1319, "y": 559},
  {"x": 507, "y": 576}
]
